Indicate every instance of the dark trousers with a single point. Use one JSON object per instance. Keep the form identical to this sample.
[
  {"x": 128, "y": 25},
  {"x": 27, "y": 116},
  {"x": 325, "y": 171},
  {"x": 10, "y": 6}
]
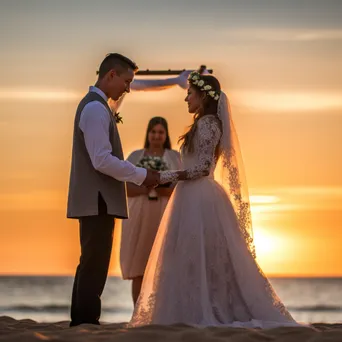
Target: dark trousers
[{"x": 96, "y": 238}]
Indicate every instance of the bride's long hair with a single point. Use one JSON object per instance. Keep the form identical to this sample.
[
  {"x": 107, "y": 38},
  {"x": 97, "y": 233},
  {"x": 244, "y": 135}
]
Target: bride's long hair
[{"x": 208, "y": 106}]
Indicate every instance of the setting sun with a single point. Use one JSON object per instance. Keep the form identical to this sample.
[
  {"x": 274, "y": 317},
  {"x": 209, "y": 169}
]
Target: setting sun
[{"x": 265, "y": 243}]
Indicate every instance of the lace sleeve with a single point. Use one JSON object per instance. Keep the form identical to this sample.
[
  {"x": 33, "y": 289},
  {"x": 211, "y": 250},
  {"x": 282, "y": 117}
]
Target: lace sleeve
[{"x": 208, "y": 136}]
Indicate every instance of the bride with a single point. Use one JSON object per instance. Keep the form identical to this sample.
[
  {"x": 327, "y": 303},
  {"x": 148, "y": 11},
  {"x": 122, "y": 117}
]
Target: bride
[{"x": 202, "y": 269}]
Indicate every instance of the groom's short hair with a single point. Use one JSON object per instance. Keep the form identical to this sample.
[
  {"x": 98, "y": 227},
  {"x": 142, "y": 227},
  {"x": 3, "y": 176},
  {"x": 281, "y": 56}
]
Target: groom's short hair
[{"x": 118, "y": 62}]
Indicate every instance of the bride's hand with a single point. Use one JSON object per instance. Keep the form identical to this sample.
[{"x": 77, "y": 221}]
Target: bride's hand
[{"x": 181, "y": 175}]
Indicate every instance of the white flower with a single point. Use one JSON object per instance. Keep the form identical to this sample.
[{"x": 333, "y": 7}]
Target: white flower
[
  {"x": 200, "y": 83},
  {"x": 207, "y": 87},
  {"x": 216, "y": 97},
  {"x": 212, "y": 93},
  {"x": 195, "y": 82},
  {"x": 195, "y": 77}
]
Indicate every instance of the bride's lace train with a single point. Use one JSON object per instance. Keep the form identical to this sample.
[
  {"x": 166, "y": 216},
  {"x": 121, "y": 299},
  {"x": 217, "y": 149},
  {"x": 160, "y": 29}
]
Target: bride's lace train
[{"x": 200, "y": 270}]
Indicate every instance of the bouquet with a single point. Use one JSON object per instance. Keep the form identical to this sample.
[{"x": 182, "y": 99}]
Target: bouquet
[
  {"x": 157, "y": 164},
  {"x": 153, "y": 163}
]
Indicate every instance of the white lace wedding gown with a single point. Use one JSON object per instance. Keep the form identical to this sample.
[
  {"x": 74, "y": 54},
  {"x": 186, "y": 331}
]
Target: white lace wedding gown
[{"x": 200, "y": 271}]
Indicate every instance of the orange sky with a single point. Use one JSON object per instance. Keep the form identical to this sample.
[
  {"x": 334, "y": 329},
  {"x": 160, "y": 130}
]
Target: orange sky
[{"x": 281, "y": 68}]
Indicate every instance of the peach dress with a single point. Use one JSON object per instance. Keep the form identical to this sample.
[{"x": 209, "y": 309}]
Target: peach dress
[{"x": 140, "y": 229}]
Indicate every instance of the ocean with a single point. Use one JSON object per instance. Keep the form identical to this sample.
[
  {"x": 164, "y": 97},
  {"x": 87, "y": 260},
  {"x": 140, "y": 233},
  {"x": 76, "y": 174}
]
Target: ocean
[{"x": 47, "y": 299}]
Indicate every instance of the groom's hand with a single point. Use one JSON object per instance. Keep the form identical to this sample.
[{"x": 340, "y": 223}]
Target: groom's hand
[{"x": 152, "y": 179}]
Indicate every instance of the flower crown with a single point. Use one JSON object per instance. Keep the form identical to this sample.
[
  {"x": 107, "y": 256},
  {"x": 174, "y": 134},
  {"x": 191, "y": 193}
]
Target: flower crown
[{"x": 196, "y": 79}]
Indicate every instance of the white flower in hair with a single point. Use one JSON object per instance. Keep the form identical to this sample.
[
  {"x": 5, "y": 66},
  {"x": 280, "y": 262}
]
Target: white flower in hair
[
  {"x": 216, "y": 97},
  {"x": 200, "y": 83},
  {"x": 207, "y": 87},
  {"x": 212, "y": 93},
  {"x": 195, "y": 77},
  {"x": 195, "y": 82}
]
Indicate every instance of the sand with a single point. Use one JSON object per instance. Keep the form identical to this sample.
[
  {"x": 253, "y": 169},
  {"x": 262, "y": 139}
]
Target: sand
[{"x": 30, "y": 331}]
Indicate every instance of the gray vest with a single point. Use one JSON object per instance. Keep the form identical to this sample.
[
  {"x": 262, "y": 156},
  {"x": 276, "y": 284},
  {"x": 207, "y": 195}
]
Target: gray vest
[{"x": 85, "y": 182}]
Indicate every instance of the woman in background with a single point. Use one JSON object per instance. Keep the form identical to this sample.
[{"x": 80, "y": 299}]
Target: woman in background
[{"x": 145, "y": 213}]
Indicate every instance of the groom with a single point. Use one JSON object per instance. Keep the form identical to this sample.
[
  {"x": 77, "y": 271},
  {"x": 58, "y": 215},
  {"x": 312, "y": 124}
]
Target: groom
[{"x": 97, "y": 191}]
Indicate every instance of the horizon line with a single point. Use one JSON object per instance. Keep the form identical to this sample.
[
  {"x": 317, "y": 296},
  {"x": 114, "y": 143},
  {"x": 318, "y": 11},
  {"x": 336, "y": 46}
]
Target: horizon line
[{"x": 274, "y": 276}]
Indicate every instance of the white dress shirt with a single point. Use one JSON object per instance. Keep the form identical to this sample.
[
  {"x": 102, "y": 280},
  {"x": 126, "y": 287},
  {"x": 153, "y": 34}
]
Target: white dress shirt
[{"x": 94, "y": 123}]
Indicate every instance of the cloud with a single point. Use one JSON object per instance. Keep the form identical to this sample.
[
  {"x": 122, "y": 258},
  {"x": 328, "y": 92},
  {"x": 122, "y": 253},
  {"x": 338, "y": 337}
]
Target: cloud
[
  {"x": 38, "y": 95},
  {"x": 267, "y": 100},
  {"x": 331, "y": 192},
  {"x": 296, "y": 199},
  {"x": 285, "y": 101},
  {"x": 286, "y": 35},
  {"x": 262, "y": 200},
  {"x": 71, "y": 96}
]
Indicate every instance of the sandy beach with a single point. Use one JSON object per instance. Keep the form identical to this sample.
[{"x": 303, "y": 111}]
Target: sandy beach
[{"x": 29, "y": 331}]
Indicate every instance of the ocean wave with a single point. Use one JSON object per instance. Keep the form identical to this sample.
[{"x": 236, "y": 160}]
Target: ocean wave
[
  {"x": 123, "y": 309},
  {"x": 56, "y": 308}
]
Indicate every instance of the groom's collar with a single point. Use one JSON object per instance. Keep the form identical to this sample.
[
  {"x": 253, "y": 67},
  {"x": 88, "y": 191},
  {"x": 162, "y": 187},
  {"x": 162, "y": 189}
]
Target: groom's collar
[{"x": 98, "y": 91}]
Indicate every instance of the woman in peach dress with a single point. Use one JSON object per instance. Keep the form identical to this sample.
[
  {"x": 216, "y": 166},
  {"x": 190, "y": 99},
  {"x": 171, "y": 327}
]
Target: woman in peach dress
[{"x": 139, "y": 231}]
